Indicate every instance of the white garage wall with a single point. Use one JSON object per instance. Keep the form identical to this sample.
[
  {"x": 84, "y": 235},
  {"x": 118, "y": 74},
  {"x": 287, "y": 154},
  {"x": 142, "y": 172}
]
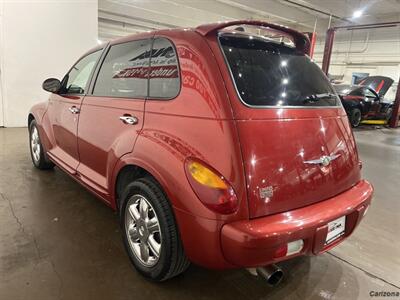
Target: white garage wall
[
  {"x": 1, "y": 75},
  {"x": 40, "y": 39}
]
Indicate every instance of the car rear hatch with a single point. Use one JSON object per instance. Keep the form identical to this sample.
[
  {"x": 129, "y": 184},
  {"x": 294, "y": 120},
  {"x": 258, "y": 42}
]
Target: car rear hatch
[{"x": 297, "y": 145}]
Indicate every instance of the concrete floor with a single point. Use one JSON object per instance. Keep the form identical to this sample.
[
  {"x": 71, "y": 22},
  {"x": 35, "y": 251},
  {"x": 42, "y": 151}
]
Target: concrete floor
[{"x": 58, "y": 242}]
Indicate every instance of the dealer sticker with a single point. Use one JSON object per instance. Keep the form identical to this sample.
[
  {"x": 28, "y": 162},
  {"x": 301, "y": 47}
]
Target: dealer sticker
[{"x": 336, "y": 229}]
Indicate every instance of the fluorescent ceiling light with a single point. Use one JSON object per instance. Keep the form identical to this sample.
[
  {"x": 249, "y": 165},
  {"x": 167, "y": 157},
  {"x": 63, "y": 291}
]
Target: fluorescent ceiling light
[{"x": 357, "y": 13}]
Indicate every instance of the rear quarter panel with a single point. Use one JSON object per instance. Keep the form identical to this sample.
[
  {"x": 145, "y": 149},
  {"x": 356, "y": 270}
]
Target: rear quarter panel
[
  {"x": 161, "y": 149},
  {"x": 197, "y": 123}
]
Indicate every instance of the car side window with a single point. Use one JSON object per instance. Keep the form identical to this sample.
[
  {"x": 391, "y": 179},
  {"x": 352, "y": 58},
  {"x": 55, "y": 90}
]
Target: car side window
[
  {"x": 77, "y": 79},
  {"x": 124, "y": 71},
  {"x": 164, "y": 71},
  {"x": 357, "y": 92}
]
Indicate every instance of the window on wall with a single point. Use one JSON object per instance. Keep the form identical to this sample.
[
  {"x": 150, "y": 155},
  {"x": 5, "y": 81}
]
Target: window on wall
[
  {"x": 124, "y": 71},
  {"x": 164, "y": 71},
  {"x": 76, "y": 81}
]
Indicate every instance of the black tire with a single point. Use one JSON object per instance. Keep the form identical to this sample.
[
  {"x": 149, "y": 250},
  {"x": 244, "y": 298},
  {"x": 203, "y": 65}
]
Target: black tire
[
  {"x": 171, "y": 260},
  {"x": 40, "y": 161},
  {"x": 389, "y": 113},
  {"x": 355, "y": 117}
]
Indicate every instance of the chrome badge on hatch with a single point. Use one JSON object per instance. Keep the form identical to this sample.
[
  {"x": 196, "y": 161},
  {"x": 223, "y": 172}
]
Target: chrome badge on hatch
[{"x": 324, "y": 160}]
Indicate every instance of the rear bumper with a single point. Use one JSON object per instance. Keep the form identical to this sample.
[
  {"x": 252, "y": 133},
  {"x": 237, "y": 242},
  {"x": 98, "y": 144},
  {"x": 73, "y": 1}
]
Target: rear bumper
[{"x": 254, "y": 242}]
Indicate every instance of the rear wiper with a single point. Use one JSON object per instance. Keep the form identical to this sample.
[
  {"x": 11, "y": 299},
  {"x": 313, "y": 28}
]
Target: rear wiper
[{"x": 316, "y": 97}]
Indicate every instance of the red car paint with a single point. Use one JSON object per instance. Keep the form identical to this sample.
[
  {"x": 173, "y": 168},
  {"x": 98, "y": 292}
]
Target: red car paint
[{"x": 252, "y": 148}]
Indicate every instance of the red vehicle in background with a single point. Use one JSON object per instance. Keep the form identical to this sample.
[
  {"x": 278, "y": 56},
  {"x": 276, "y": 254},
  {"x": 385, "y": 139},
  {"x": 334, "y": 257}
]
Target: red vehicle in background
[{"x": 224, "y": 148}]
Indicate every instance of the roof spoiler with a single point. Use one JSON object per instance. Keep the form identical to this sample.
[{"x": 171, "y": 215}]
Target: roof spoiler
[{"x": 301, "y": 41}]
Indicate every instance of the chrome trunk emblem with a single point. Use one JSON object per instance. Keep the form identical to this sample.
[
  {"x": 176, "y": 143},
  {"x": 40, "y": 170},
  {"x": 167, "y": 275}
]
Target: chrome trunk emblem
[{"x": 324, "y": 160}]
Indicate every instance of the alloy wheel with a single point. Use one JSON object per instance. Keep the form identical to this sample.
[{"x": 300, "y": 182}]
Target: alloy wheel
[
  {"x": 143, "y": 230},
  {"x": 35, "y": 144}
]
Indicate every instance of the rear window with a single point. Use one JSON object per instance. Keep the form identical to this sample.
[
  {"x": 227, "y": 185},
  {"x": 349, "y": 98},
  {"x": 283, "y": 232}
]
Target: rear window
[
  {"x": 268, "y": 73},
  {"x": 164, "y": 71},
  {"x": 342, "y": 89},
  {"x": 124, "y": 71}
]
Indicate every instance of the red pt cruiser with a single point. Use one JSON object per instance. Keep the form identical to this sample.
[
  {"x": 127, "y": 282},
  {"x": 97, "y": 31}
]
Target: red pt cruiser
[{"x": 223, "y": 145}]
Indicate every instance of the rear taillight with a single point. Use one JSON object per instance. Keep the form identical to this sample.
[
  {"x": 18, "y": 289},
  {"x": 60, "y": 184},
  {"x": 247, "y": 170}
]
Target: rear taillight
[{"x": 211, "y": 187}]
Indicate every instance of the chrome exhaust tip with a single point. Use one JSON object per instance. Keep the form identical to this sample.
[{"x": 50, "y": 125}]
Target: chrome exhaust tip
[{"x": 271, "y": 274}]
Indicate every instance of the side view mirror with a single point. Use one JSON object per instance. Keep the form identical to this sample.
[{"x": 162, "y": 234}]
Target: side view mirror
[{"x": 51, "y": 85}]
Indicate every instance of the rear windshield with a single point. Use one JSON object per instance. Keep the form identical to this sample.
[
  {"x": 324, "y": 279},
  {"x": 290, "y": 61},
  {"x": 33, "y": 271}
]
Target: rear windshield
[
  {"x": 342, "y": 89},
  {"x": 268, "y": 73}
]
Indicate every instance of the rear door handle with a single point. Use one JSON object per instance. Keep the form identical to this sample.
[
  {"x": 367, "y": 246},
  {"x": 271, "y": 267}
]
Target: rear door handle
[
  {"x": 74, "y": 110},
  {"x": 130, "y": 120}
]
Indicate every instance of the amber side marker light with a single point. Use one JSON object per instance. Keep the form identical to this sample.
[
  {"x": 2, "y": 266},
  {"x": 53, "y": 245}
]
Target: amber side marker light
[{"x": 211, "y": 188}]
